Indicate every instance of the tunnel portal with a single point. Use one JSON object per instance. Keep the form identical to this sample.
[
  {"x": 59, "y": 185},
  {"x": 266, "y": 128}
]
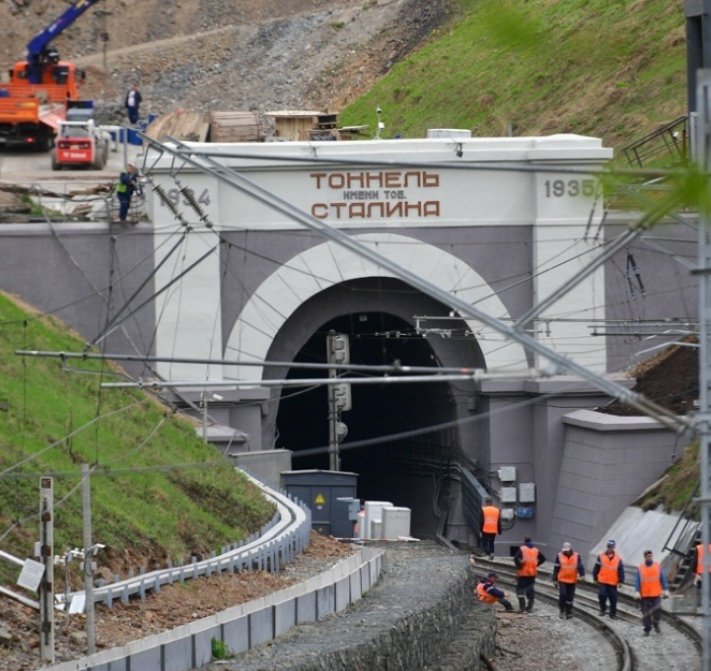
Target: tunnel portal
[{"x": 410, "y": 471}]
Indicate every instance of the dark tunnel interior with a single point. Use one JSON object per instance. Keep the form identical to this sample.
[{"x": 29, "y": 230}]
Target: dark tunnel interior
[{"x": 406, "y": 471}]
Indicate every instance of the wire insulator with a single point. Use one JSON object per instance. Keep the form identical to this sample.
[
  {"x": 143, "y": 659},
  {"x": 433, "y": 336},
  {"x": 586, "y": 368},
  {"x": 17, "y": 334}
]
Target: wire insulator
[
  {"x": 166, "y": 200},
  {"x": 189, "y": 195}
]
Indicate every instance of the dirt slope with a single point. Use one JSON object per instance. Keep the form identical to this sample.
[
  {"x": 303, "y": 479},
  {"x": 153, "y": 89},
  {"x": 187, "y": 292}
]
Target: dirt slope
[{"x": 226, "y": 55}]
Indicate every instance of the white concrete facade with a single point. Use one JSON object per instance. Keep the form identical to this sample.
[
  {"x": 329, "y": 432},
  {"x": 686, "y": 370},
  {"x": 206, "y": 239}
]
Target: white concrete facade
[{"x": 383, "y": 185}]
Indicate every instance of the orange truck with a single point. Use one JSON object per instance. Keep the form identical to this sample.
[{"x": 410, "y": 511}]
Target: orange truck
[{"x": 34, "y": 100}]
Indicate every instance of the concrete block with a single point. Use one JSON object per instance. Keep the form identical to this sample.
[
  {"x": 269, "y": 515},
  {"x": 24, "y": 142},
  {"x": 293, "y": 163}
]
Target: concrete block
[
  {"x": 284, "y": 616},
  {"x": 202, "y": 645},
  {"x": 373, "y": 512},
  {"x": 265, "y": 465},
  {"x": 235, "y": 634},
  {"x": 365, "y": 577},
  {"x": 261, "y": 626},
  {"x": 306, "y": 608},
  {"x": 343, "y": 594},
  {"x": 325, "y": 601},
  {"x": 396, "y": 523},
  {"x": 178, "y": 654},
  {"x": 356, "y": 587},
  {"x": 145, "y": 660}
]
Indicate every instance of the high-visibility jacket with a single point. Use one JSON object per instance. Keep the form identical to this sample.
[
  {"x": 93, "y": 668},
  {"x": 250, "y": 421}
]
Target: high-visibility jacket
[
  {"x": 491, "y": 519},
  {"x": 700, "y": 559},
  {"x": 650, "y": 580},
  {"x": 483, "y": 595},
  {"x": 529, "y": 561},
  {"x": 568, "y": 571},
  {"x": 609, "y": 569}
]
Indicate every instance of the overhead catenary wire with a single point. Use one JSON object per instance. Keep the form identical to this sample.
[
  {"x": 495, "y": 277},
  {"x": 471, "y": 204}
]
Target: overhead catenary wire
[{"x": 383, "y": 368}]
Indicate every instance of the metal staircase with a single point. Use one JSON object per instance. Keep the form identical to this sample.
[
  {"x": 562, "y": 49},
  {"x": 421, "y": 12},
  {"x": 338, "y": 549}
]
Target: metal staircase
[{"x": 665, "y": 147}]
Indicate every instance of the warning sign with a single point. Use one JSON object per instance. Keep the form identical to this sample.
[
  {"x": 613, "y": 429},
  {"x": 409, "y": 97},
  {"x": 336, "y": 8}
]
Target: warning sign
[
  {"x": 320, "y": 500},
  {"x": 31, "y": 575}
]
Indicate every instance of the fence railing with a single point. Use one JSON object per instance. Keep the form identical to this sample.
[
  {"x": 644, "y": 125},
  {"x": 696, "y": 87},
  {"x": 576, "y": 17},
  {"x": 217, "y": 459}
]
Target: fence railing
[{"x": 279, "y": 541}]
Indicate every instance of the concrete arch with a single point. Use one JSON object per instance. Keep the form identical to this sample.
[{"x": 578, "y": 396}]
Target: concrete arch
[{"x": 322, "y": 266}]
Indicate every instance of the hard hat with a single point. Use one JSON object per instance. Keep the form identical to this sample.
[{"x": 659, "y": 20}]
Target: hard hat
[
  {"x": 567, "y": 546},
  {"x": 611, "y": 544}
]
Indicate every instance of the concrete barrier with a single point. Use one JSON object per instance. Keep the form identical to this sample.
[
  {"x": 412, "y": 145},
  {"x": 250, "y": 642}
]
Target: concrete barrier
[{"x": 241, "y": 627}]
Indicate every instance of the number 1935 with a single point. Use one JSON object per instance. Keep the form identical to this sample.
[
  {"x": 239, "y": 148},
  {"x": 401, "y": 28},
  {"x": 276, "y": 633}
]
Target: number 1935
[{"x": 557, "y": 188}]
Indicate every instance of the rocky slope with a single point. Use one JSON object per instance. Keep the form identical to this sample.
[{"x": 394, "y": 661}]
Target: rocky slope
[{"x": 225, "y": 55}]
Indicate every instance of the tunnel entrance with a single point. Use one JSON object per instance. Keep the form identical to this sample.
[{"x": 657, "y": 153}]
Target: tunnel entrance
[{"x": 410, "y": 471}]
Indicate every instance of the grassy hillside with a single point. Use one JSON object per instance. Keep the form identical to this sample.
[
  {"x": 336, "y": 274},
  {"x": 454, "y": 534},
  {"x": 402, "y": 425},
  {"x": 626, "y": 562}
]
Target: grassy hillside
[
  {"x": 157, "y": 489},
  {"x": 610, "y": 68}
]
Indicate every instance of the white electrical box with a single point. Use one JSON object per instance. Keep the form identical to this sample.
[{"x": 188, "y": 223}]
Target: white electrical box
[
  {"x": 527, "y": 492},
  {"x": 373, "y": 514},
  {"x": 507, "y": 473},
  {"x": 396, "y": 523},
  {"x": 508, "y": 495},
  {"x": 507, "y": 514}
]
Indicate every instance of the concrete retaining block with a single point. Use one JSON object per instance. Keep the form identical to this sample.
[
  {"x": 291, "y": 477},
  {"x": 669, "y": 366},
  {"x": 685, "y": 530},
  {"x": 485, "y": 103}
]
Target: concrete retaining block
[
  {"x": 235, "y": 634},
  {"x": 284, "y": 616},
  {"x": 241, "y": 627},
  {"x": 325, "y": 601},
  {"x": 365, "y": 578},
  {"x": 356, "y": 588},
  {"x": 343, "y": 594},
  {"x": 177, "y": 655},
  {"x": 146, "y": 659},
  {"x": 261, "y": 627},
  {"x": 306, "y": 608},
  {"x": 202, "y": 645}
]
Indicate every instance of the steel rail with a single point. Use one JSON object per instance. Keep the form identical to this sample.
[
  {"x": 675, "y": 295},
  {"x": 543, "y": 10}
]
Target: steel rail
[
  {"x": 627, "y": 606},
  {"x": 625, "y": 658}
]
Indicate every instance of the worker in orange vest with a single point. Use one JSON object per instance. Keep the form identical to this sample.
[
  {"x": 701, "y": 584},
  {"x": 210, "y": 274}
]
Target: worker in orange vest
[
  {"x": 699, "y": 551},
  {"x": 488, "y": 592},
  {"x": 567, "y": 567},
  {"x": 609, "y": 572},
  {"x": 490, "y": 526},
  {"x": 651, "y": 586},
  {"x": 527, "y": 559}
]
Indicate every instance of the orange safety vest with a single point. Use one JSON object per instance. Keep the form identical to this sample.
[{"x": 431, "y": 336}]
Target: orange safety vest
[
  {"x": 529, "y": 562},
  {"x": 608, "y": 573},
  {"x": 491, "y": 519},
  {"x": 483, "y": 595},
  {"x": 700, "y": 559},
  {"x": 568, "y": 571},
  {"x": 650, "y": 580}
]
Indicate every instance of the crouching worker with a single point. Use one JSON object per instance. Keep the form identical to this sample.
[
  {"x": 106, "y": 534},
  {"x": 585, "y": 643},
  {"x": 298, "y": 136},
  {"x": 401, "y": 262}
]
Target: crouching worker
[{"x": 488, "y": 592}]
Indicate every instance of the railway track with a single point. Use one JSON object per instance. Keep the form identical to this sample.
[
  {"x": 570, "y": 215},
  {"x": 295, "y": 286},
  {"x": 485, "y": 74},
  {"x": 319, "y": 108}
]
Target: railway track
[{"x": 677, "y": 647}]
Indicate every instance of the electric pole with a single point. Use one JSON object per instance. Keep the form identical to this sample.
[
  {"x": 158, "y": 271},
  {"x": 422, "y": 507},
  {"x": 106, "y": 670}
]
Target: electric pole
[
  {"x": 46, "y": 586},
  {"x": 702, "y": 156},
  {"x": 88, "y": 560}
]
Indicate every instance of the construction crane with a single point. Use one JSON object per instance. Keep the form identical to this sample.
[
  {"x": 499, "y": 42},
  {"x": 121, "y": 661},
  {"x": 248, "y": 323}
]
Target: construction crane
[{"x": 35, "y": 100}]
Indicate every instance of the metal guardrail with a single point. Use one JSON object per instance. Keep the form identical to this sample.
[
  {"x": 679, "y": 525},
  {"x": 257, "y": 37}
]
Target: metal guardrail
[{"x": 280, "y": 540}]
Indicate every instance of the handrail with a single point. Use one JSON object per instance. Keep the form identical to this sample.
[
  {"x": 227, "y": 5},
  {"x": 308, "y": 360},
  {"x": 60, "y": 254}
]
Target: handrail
[{"x": 669, "y": 139}]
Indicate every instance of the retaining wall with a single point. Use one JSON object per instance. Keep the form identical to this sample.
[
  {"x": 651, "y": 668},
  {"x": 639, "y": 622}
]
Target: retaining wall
[{"x": 242, "y": 627}]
